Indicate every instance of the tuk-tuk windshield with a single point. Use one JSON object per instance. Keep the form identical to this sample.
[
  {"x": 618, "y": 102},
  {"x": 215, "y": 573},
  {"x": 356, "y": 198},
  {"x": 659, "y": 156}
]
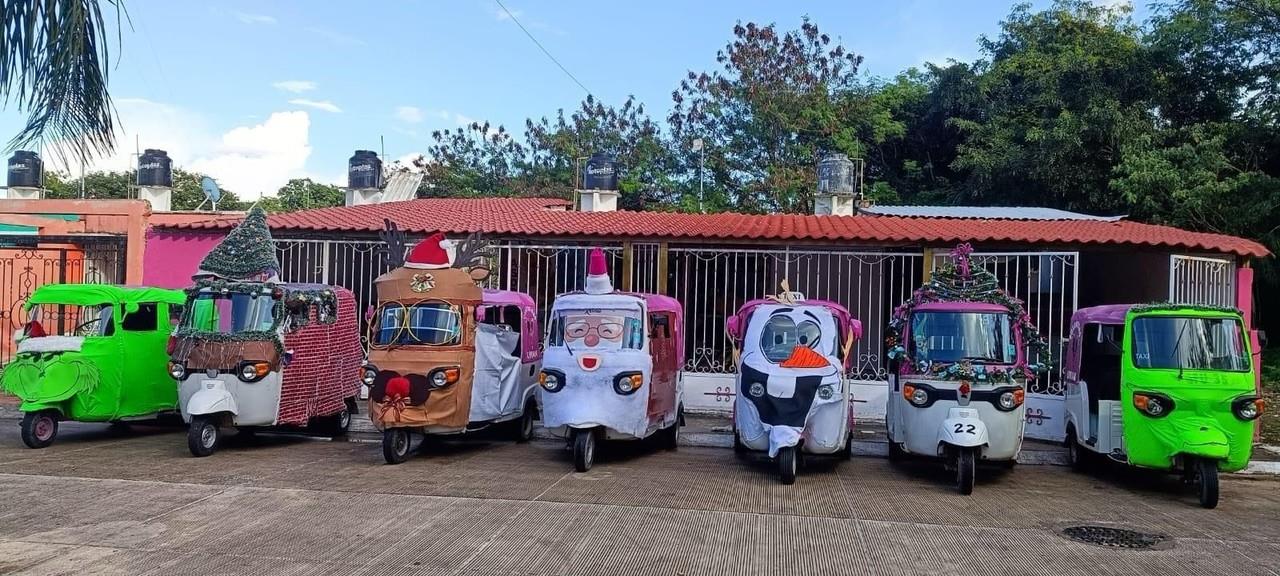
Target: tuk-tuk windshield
[
  {"x": 981, "y": 337},
  {"x": 432, "y": 323},
  {"x": 597, "y": 329},
  {"x": 1186, "y": 342},
  {"x": 230, "y": 313}
]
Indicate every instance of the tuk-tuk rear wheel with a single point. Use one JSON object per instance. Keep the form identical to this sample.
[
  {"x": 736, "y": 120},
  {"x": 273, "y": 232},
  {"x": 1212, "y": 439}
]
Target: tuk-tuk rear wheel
[
  {"x": 787, "y": 465},
  {"x": 202, "y": 436},
  {"x": 39, "y": 428},
  {"x": 1076, "y": 456},
  {"x": 523, "y": 429},
  {"x": 966, "y": 470},
  {"x": 395, "y": 445},
  {"x": 1206, "y": 480}
]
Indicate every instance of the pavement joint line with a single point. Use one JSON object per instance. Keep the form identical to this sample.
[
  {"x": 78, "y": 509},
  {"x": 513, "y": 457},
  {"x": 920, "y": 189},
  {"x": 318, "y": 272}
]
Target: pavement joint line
[{"x": 187, "y": 505}]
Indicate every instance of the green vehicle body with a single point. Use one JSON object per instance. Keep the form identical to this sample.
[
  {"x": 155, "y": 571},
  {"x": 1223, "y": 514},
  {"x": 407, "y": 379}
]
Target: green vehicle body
[
  {"x": 1202, "y": 423},
  {"x": 121, "y": 374}
]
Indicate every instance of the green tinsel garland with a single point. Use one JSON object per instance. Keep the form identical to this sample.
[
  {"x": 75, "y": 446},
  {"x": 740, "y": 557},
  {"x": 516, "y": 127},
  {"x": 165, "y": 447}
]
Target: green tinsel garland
[
  {"x": 246, "y": 252},
  {"x": 1172, "y": 307}
]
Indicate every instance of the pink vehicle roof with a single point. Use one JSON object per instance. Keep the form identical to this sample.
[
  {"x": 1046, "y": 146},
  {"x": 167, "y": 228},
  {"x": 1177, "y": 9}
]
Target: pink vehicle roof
[
  {"x": 1108, "y": 314},
  {"x": 507, "y": 298},
  {"x": 530, "y": 338}
]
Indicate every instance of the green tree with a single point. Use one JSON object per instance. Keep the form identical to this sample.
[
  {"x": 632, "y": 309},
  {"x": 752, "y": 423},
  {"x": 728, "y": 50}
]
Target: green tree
[
  {"x": 53, "y": 65},
  {"x": 472, "y": 161},
  {"x": 187, "y": 193},
  {"x": 303, "y": 194}
]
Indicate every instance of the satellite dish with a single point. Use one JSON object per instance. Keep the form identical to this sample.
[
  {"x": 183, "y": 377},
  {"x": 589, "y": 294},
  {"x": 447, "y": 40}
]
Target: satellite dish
[{"x": 211, "y": 191}]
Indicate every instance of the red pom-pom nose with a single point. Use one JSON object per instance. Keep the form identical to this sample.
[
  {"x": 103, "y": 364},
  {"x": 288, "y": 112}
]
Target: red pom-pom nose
[{"x": 397, "y": 387}]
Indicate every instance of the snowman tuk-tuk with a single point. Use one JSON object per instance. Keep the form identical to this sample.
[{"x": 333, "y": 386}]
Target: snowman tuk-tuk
[
  {"x": 252, "y": 352},
  {"x": 791, "y": 393},
  {"x": 958, "y": 371},
  {"x": 447, "y": 358},
  {"x": 613, "y": 366},
  {"x": 1162, "y": 386},
  {"x": 92, "y": 353}
]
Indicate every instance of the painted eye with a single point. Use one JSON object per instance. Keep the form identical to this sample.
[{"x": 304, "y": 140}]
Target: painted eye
[
  {"x": 577, "y": 329},
  {"x": 810, "y": 333},
  {"x": 609, "y": 330}
]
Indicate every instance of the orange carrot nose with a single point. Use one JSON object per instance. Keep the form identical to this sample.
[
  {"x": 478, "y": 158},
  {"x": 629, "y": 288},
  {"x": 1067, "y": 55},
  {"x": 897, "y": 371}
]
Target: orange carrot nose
[{"x": 804, "y": 357}]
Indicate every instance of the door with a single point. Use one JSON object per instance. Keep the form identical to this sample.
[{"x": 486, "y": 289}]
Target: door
[
  {"x": 662, "y": 381},
  {"x": 142, "y": 331}
]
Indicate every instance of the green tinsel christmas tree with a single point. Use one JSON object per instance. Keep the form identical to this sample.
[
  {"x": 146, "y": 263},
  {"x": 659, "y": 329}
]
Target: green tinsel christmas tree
[{"x": 247, "y": 252}]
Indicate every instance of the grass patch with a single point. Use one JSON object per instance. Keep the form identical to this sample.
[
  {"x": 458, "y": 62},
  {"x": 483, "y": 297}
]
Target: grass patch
[{"x": 1271, "y": 392}]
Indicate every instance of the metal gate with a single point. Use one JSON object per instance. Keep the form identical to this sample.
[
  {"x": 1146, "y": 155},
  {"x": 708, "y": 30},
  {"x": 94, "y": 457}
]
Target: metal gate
[
  {"x": 28, "y": 262},
  {"x": 1202, "y": 280}
]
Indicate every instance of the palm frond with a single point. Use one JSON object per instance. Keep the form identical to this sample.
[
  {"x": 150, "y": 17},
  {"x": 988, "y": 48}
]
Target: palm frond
[{"x": 54, "y": 66}]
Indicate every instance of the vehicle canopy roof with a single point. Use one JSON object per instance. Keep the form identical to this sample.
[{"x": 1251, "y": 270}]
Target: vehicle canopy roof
[
  {"x": 1116, "y": 313},
  {"x": 95, "y": 294},
  {"x": 493, "y": 297},
  {"x": 843, "y": 319},
  {"x": 619, "y": 300}
]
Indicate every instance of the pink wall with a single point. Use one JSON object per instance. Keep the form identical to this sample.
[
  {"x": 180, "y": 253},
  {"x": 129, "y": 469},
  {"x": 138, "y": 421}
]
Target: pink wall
[{"x": 171, "y": 256}]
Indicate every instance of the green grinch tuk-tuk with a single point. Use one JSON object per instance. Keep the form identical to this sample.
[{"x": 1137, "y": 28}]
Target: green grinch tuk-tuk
[
  {"x": 92, "y": 353},
  {"x": 1162, "y": 386}
]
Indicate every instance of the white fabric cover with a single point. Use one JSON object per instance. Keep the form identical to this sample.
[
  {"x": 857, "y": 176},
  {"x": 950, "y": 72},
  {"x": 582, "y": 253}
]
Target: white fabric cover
[
  {"x": 588, "y": 398},
  {"x": 51, "y": 344},
  {"x": 495, "y": 390},
  {"x": 823, "y": 429}
]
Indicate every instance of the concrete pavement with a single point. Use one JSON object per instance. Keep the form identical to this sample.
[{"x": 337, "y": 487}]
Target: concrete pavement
[{"x": 104, "y": 503}]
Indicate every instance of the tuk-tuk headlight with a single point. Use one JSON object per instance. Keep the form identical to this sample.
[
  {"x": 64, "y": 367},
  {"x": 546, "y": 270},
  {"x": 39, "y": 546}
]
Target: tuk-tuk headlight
[
  {"x": 441, "y": 377},
  {"x": 1010, "y": 399},
  {"x": 253, "y": 371},
  {"x": 551, "y": 380},
  {"x": 177, "y": 371},
  {"x": 1153, "y": 405},
  {"x": 1248, "y": 408},
  {"x": 628, "y": 382},
  {"x": 825, "y": 392},
  {"x": 916, "y": 395},
  {"x": 368, "y": 374}
]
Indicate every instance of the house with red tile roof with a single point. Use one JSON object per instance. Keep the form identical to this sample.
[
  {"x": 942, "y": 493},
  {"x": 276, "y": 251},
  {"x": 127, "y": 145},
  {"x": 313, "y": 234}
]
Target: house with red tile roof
[{"x": 869, "y": 261}]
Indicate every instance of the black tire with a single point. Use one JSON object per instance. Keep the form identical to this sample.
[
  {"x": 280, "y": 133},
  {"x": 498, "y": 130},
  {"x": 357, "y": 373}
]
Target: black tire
[
  {"x": 395, "y": 445},
  {"x": 896, "y": 453},
  {"x": 336, "y": 425},
  {"x": 671, "y": 436},
  {"x": 966, "y": 470},
  {"x": 202, "y": 436},
  {"x": 848, "y": 447},
  {"x": 1077, "y": 457},
  {"x": 353, "y": 406},
  {"x": 39, "y": 428},
  {"x": 739, "y": 449},
  {"x": 522, "y": 428},
  {"x": 1206, "y": 480},
  {"x": 584, "y": 449},
  {"x": 787, "y": 463},
  {"x": 119, "y": 427}
]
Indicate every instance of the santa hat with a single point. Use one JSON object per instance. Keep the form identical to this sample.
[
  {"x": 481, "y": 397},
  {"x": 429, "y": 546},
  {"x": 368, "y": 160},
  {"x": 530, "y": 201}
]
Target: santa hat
[
  {"x": 432, "y": 253},
  {"x": 598, "y": 273}
]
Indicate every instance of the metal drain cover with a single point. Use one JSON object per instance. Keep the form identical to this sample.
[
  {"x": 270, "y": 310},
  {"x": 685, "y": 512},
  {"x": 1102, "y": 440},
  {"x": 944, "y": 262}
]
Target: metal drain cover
[{"x": 1113, "y": 537}]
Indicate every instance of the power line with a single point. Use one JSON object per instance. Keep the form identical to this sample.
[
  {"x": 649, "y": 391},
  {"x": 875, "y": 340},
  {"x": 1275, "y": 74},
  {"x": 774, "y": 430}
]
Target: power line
[{"x": 541, "y": 47}]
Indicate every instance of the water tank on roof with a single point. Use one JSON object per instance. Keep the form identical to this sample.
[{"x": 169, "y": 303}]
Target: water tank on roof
[
  {"x": 364, "y": 170},
  {"x": 601, "y": 173},
  {"x": 155, "y": 169},
  {"x": 837, "y": 175},
  {"x": 26, "y": 170}
]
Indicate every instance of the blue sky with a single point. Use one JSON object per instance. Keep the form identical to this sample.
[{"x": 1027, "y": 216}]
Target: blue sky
[{"x": 258, "y": 92}]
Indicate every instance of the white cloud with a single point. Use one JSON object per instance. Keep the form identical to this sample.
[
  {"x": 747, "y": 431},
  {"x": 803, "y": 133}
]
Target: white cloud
[
  {"x": 325, "y": 105},
  {"x": 335, "y": 37},
  {"x": 252, "y": 160},
  {"x": 248, "y": 18},
  {"x": 295, "y": 86},
  {"x": 410, "y": 114}
]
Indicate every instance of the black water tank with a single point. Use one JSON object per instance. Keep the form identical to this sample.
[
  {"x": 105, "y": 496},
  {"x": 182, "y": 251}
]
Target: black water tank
[
  {"x": 836, "y": 175},
  {"x": 26, "y": 169},
  {"x": 364, "y": 170},
  {"x": 155, "y": 169},
  {"x": 601, "y": 173}
]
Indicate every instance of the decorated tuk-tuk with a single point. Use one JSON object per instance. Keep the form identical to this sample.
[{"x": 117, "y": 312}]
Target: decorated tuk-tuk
[
  {"x": 791, "y": 395},
  {"x": 91, "y": 353},
  {"x": 252, "y": 352},
  {"x": 958, "y": 370},
  {"x": 613, "y": 366},
  {"x": 446, "y": 357},
  {"x": 1162, "y": 386}
]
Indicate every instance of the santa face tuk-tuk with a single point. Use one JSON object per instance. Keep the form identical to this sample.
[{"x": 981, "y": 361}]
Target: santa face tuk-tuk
[
  {"x": 262, "y": 354},
  {"x": 92, "y": 353},
  {"x": 1166, "y": 386},
  {"x": 613, "y": 366},
  {"x": 958, "y": 371},
  {"x": 447, "y": 358},
  {"x": 791, "y": 395}
]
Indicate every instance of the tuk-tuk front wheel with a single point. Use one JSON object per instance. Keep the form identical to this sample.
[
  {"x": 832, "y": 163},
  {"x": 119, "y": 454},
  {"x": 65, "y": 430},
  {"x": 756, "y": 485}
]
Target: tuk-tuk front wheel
[
  {"x": 1206, "y": 481},
  {"x": 966, "y": 470},
  {"x": 787, "y": 465},
  {"x": 202, "y": 436},
  {"x": 584, "y": 449},
  {"x": 395, "y": 445},
  {"x": 39, "y": 428}
]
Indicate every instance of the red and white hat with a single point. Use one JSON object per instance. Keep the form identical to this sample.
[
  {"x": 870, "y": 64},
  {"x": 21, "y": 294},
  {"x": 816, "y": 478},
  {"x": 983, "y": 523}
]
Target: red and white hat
[
  {"x": 598, "y": 274},
  {"x": 432, "y": 253}
]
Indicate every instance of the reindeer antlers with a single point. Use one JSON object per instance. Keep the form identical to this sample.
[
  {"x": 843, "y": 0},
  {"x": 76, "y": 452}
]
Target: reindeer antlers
[
  {"x": 473, "y": 252},
  {"x": 393, "y": 237}
]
